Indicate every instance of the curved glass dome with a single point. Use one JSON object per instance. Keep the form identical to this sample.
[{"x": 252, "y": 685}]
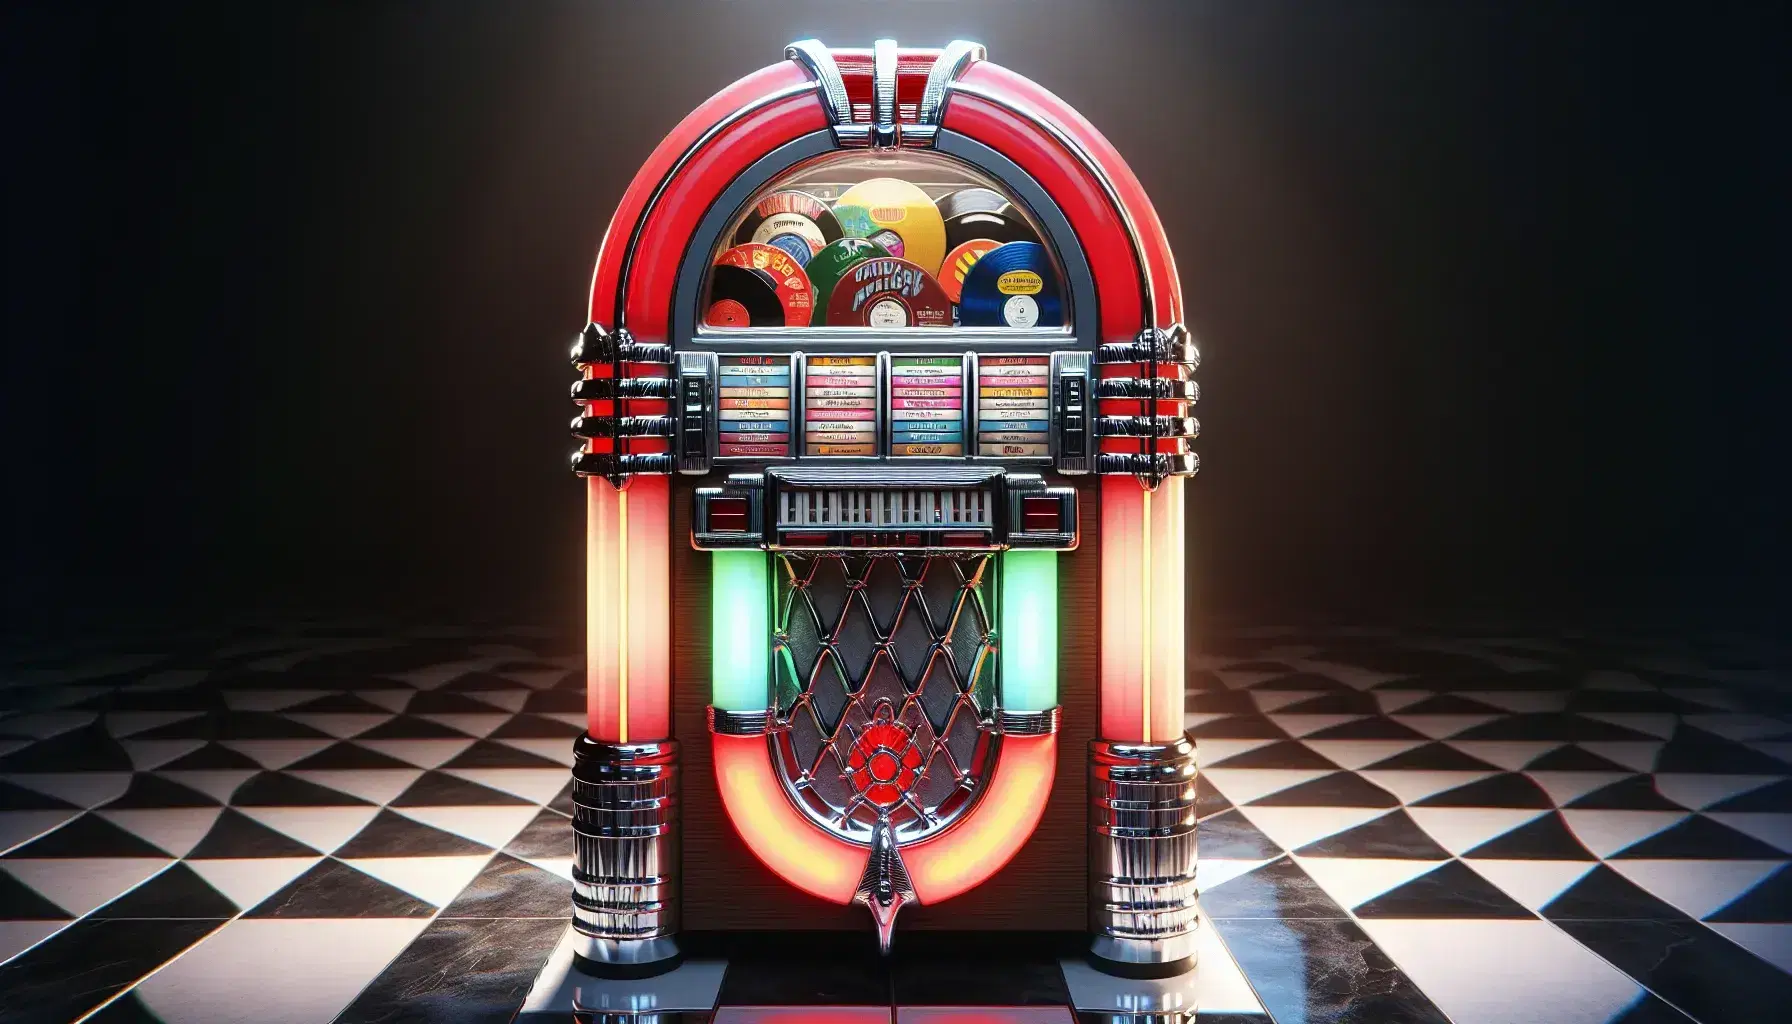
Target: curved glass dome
[{"x": 888, "y": 241}]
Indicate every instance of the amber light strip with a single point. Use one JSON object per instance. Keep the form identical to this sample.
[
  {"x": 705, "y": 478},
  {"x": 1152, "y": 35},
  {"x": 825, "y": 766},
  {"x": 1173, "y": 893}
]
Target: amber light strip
[
  {"x": 627, "y": 610},
  {"x": 1142, "y": 610}
]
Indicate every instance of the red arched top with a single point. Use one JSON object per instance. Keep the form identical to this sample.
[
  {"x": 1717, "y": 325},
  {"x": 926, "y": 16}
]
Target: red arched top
[
  {"x": 729, "y": 149},
  {"x": 1075, "y": 189}
]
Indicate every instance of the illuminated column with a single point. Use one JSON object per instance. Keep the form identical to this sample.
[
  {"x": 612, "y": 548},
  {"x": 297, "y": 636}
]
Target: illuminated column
[
  {"x": 1029, "y": 630},
  {"x": 1142, "y": 769},
  {"x": 625, "y": 769},
  {"x": 740, "y": 631}
]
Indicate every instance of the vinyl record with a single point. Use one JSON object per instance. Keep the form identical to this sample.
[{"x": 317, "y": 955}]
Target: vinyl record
[
  {"x": 972, "y": 213},
  {"x": 1013, "y": 285},
  {"x": 958, "y": 264},
  {"x": 791, "y": 213},
  {"x": 896, "y": 215},
  {"x": 794, "y": 291},
  {"x": 742, "y": 297},
  {"x": 834, "y": 259},
  {"x": 888, "y": 292}
]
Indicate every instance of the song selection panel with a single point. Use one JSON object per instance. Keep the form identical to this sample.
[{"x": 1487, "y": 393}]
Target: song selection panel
[
  {"x": 1013, "y": 405},
  {"x": 840, "y": 405},
  {"x": 926, "y": 405},
  {"x": 754, "y": 417}
]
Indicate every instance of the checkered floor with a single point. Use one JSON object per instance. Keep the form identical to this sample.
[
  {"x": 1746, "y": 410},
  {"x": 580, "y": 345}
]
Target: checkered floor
[{"x": 326, "y": 823}]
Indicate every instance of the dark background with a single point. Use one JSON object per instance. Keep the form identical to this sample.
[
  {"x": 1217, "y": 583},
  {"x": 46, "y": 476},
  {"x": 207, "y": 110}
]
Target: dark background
[{"x": 1493, "y": 298}]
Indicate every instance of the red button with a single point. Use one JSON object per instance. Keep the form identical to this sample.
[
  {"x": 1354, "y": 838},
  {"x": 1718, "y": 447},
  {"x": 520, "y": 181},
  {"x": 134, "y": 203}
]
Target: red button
[
  {"x": 727, "y": 515},
  {"x": 1041, "y": 515}
]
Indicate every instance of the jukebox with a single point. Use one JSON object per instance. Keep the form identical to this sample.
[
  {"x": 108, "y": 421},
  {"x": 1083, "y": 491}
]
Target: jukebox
[{"x": 885, "y": 412}]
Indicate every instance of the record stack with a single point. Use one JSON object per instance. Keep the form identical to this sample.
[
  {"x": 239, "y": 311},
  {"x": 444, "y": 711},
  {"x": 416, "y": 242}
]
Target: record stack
[
  {"x": 755, "y": 406},
  {"x": 1013, "y": 399},
  {"x": 840, "y": 405},
  {"x": 927, "y": 405}
]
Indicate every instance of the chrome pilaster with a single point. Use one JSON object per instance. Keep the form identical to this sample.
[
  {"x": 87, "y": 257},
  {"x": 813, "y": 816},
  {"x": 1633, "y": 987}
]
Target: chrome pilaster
[
  {"x": 625, "y": 903},
  {"x": 1142, "y": 857}
]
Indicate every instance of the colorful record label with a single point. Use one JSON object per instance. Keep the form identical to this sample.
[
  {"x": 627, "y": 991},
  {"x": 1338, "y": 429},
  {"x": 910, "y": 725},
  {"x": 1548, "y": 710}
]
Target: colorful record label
[
  {"x": 827, "y": 266},
  {"x": 753, "y": 418},
  {"x": 889, "y": 293},
  {"x": 878, "y": 205},
  {"x": 786, "y": 217},
  {"x": 840, "y": 416},
  {"x": 1013, "y": 285},
  {"x": 1013, "y": 398},
  {"x": 926, "y": 406},
  {"x": 958, "y": 264},
  {"x": 791, "y": 284}
]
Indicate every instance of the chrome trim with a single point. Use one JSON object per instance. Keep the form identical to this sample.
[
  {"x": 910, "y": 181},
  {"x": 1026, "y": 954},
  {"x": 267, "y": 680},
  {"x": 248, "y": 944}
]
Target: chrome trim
[
  {"x": 1160, "y": 388},
  {"x": 958, "y": 55},
  {"x": 596, "y": 345},
  {"x": 739, "y": 723},
  {"x": 625, "y": 870},
  {"x": 1142, "y": 856},
  {"x": 884, "y": 888},
  {"x": 883, "y": 93},
  {"x": 1172, "y": 346},
  {"x": 816, "y": 59},
  {"x": 694, "y": 411},
  {"x": 1161, "y": 464},
  {"x": 1147, "y": 426},
  {"x": 614, "y": 467},
  {"x": 1146, "y": 287},
  {"x": 659, "y": 190},
  {"x": 1028, "y": 723},
  {"x": 622, "y": 426},
  {"x": 603, "y": 389},
  {"x": 897, "y": 340},
  {"x": 1070, "y": 420}
]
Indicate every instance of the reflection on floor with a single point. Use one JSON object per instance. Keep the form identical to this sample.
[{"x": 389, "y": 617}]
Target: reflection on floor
[{"x": 327, "y": 823}]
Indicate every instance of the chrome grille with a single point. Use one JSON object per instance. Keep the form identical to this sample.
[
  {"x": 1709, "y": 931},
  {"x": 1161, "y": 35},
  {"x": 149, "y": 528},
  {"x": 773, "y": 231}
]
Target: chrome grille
[{"x": 886, "y": 507}]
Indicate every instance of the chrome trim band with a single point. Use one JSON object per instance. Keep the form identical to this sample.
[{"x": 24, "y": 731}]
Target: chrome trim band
[
  {"x": 1147, "y": 426},
  {"x": 659, "y": 190},
  {"x": 622, "y": 426},
  {"x": 815, "y": 58},
  {"x": 625, "y": 870},
  {"x": 1147, "y": 288},
  {"x": 883, "y": 93},
  {"x": 614, "y": 467},
  {"x": 1142, "y": 855},
  {"x": 958, "y": 55},
  {"x": 596, "y": 345},
  {"x": 739, "y": 723},
  {"x": 1174, "y": 346},
  {"x": 1161, "y": 388},
  {"x": 1028, "y": 723},
  {"x": 1161, "y": 464},
  {"x": 603, "y": 389}
]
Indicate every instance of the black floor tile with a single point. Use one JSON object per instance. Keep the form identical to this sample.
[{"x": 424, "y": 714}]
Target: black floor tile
[
  {"x": 1604, "y": 895},
  {"x": 1769, "y": 902},
  {"x": 176, "y": 893},
  {"x": 1286, "y": 754},
  {"x": 1450, "y": 891},
  {"x": 1339, "y": 789},
  {"x": 333, "y": 889},
  {"x": 1690, "y": 966},
  {"x": 972, "y": 970},
  {"x": 508, "y": 887},
  {"x": 1279, "y": 889},
  {"x": 87, "y": 963},
  {"x": 459, "y": 972},
  {"x": 1325, "y": 972},
  {"x": 236, "y": 836},
  {"x": 439, "y": 789},
  {"x": 806, "y": 969},
  {"x": 391, "y": 834},
  {"x": 1544, "y": 838},
  {"x": 1394, "y": 836},
  {"x": 1231, "y": 836},
  {"x": 1508, "y": 790}
]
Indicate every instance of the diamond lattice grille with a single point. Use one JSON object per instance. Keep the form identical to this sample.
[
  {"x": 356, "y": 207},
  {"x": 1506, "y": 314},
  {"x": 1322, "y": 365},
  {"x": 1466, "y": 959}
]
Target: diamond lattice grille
[{"x": 885, "y": 678}]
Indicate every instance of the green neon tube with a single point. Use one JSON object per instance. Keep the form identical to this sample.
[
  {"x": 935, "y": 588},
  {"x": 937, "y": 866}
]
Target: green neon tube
[
  {"x": 1029, "y": 637},
  {"x": 740, "y": 632}
]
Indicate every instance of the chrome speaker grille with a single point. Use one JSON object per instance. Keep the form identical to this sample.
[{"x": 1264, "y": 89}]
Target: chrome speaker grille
[{"x": 885, "y": 675}]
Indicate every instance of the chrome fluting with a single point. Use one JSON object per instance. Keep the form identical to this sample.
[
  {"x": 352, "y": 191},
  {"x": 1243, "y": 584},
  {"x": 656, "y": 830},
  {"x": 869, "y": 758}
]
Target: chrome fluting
[
  {"x": 1142, "y": 857},
  {"x": 625, "y": 857}
]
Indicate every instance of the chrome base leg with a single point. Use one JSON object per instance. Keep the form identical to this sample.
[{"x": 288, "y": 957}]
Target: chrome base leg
[
  {"x": 625, "y": 878},
  {"x": 1142, "y": 858}
]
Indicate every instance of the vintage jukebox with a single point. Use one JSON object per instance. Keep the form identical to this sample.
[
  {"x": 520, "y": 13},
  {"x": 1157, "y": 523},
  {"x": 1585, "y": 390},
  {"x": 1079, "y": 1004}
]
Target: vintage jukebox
[{"x": 886, "y": 409}]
